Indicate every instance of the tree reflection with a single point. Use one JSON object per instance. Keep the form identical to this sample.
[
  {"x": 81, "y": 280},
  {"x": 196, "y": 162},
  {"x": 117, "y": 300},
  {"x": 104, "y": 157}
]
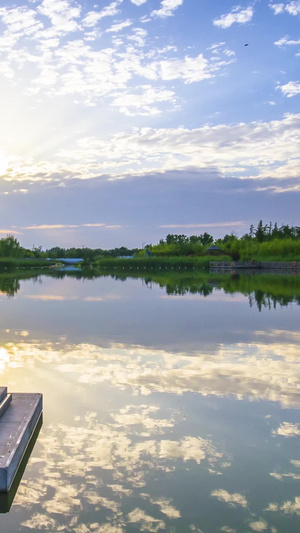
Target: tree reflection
[
  {"x": 9, "y": 285},
  {"x": 263, "y": 290}
]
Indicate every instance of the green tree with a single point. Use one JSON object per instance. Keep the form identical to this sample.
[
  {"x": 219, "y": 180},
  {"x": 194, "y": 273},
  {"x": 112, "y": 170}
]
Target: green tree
[
  {"x": 206, "y": 239},
  {"x": 10, "y": 247},
  {"x": 260, "y": 233}
]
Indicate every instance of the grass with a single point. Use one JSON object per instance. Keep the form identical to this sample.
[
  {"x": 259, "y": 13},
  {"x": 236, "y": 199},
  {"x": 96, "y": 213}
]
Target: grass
[
  {"x": 13, "y": 263},
  {"x": 157, "y": 263}
]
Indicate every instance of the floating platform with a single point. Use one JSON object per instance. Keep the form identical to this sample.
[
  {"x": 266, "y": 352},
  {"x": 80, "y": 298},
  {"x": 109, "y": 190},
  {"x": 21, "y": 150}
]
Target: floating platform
[{"x": 20, "y": 415}]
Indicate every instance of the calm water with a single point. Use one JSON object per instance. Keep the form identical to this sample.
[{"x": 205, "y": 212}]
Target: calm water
[{"x": 170, "y": 404}]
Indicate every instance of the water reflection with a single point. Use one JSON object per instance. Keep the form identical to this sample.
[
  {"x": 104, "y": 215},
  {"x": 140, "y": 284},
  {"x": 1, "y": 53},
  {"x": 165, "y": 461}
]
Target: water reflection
[
  {"x": 263, "y": 290},
  {"x": 255, "y": 371},
  {"x": 163, "y": 411},
  {"x": 9, "y": 284}
]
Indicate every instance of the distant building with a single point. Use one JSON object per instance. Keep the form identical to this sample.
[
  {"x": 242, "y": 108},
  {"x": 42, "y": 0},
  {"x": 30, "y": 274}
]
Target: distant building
[
  {"x": 214, "y": 250},
  {"x": 70, "y": 260}
]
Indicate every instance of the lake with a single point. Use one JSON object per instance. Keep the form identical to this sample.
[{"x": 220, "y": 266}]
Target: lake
[{"x": 171, "y": 402}]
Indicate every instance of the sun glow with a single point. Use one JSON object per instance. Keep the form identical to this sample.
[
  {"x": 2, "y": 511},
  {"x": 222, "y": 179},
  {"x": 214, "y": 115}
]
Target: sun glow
[{"x": 3, "y": 163}]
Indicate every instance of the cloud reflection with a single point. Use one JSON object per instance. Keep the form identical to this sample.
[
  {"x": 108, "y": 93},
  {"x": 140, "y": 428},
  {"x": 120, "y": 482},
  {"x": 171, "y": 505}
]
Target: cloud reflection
[
  {"x": 259, "y": 525},
  {"x": 63, "y": 298},
  {"x": 288, "y": 507},
  {"x": 75, "y": 459},
  {"x": 104, "y": 462},
  {"x": 232, "y": 499},
  {"x": 253, "y": 370},
  {"x": 287, "y": 429},
  {"x": 146, "y": 522}
]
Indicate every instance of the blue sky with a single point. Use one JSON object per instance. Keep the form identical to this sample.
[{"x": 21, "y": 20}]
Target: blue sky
[{"x": 125, "y": 120}]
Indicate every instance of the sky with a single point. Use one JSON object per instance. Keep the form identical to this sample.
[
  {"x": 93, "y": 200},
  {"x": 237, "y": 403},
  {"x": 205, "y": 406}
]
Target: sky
[{"x": 125, "y": 120}]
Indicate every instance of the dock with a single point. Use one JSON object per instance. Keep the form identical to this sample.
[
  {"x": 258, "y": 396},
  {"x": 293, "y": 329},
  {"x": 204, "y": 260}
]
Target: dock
[
  {"x": 20, "y": 414},
  {"x": 263, "y": 266}
]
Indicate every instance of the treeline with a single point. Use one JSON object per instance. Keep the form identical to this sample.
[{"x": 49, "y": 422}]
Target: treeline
[
  {"x": 265, "y": 242},
  {"x": 261, "y": 243},
  {"x": 10, "y": 247},
  {"x": 89, "y": 253},
  {"x": 180, "y": 245}
]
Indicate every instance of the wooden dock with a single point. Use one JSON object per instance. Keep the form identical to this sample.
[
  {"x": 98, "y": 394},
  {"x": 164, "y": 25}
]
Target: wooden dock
[{"x": 20, "y": 414}]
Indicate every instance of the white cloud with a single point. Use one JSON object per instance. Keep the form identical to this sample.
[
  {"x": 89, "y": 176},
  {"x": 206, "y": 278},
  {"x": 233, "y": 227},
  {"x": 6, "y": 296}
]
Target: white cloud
[
  {"x": 75, "y": 67},
  {"x": 277, "y": 8},
  {"x": 259, "y": 149},
  {"x": 285, "y": 41},
  {"x": 6, "y": 70},
  {"x": 7, "y": 41},
  {"x": 292, "y": 88},
  {"x": 238, "y": 15},
  {"x": 293, "y": 7},
  {"x": 124, "y": 74},
  {"x": 143, "y": 101},
  {"x": 9, "y": 232},
  {"x": 230, "y": 149},
  {"x": 62, "y": 14},
  {"x": 93, "y": 17},
  {"x": 20, "y": 20},
  {"x": 167, "y": 8},
  {"x": 115, "y": 28},
  {"x": 235, "y": 224},
  {"x": 138, "y": 2},
  {"x": 194, "y": 69},
  {"x": 189, "y": 69},
  {"x": 138, "y": 36},
  {"x": 63, "y": 226},
  {"x": 285, "y": 169}
]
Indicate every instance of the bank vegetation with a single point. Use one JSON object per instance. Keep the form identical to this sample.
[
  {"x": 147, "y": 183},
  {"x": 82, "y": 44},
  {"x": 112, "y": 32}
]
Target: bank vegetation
[{"x": 266, "y": 242}]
